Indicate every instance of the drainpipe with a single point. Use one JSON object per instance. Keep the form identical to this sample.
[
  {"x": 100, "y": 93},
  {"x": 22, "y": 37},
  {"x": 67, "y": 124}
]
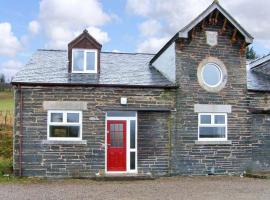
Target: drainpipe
[{"x": 21, "y": 131}]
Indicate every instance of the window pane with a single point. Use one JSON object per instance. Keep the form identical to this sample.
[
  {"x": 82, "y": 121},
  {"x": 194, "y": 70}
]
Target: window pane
[
  {"x": 205, "y": 119},
  {"x": 78, "y": 60},
  {"x": 116, "y": 135},
  {"x": 90, "y": 60},
  {"x": 219, "y": 119},
  {"x": 64, "y": 131},
  {"x": 73, "y": 117},
  {"x": 211, "y": 74},
  {"x": 132, "y": 134},
  {"x": 212, "y": 132},
  {"x": 56, "y": 117},
  {"x": 132, "y": 160}
]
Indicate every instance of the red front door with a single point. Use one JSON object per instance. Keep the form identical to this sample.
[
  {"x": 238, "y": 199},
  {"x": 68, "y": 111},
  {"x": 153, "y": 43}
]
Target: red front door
[{"x": 116, "y": 145}]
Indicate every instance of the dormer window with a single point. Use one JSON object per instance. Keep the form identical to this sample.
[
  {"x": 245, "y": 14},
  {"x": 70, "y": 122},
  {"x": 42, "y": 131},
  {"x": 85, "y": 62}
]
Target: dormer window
[{"x": 84, "y": 61}]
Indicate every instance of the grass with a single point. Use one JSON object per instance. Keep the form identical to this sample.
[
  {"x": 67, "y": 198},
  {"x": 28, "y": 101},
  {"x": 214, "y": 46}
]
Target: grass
[{"x": 6, "y": 101}]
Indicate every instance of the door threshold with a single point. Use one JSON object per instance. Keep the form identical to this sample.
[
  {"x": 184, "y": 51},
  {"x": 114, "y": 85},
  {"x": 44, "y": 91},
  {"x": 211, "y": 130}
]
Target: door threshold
[{"x": 124, "y": 177}]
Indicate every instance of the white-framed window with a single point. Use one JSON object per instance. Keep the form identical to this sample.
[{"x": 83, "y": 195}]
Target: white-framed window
[
  {"x": 64, "y": 125},
  {"x": 84, "y": 61},
  {"x": 211, "y": 74},
  {"x": 212, "y": 127}
]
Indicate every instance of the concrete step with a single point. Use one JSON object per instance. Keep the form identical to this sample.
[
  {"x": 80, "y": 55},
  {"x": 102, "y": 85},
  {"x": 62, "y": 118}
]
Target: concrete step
[{"x": 124, "y": 177}]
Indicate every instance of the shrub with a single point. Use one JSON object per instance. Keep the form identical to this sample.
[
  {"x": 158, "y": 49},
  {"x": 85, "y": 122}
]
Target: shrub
[
  {"x": 6, "y": 147},
  {"x": 5, "y": 166}
]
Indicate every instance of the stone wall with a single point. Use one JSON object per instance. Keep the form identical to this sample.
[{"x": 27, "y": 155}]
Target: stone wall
[
  {"x": 41, "y": 158},
  {"x": 198, "y": 159},
  {"x": 260, "y": 131},
  {"x": 154, "y": 132}
]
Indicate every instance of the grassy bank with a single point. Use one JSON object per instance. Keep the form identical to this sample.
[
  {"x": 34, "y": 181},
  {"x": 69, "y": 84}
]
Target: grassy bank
[
  {"x": 6, "y": 101},
  {"x": 6, "y": 122}
]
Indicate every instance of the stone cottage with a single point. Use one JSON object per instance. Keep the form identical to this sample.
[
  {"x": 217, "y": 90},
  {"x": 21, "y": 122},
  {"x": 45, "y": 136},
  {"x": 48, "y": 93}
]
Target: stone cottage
[{"x": 190, "y": 109}]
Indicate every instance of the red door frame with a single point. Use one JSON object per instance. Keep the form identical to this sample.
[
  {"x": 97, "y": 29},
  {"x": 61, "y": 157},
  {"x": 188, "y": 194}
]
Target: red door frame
[{"x": 116, "y": 156}]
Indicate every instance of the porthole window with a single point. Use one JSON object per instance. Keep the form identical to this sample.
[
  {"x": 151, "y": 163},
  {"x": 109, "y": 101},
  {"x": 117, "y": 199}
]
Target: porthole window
[{"x": 211, "y": 74}]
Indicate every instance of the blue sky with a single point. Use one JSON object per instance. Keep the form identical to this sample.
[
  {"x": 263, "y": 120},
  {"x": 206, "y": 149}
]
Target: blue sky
[{"x": 121, "y": 25}]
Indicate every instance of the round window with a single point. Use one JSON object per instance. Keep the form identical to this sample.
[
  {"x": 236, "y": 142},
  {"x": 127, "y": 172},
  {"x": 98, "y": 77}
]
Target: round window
[{"x": 211, "y": 74}]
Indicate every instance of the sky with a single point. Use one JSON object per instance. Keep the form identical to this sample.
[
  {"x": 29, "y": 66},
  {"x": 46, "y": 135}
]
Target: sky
[{"x": 119, "y": 25}]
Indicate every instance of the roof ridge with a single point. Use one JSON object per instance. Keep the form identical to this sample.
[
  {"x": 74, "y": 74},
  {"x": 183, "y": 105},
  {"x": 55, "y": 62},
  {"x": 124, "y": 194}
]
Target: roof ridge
[
  {"x": 257, "y": 62},
  {"x": 131, "y": 53}
]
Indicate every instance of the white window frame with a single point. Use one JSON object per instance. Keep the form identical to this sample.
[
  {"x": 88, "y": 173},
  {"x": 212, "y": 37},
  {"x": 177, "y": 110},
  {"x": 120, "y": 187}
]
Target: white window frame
[
  {"x": 85, "y": 51},
  {"x": 128, "y": 149},
  {"x": 220, "y": 71},
  {"x": 212, "y": 125},
  {"x": 64, "y": 123}
]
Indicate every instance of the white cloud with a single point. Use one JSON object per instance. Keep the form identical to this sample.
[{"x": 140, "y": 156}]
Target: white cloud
[
  {"x": 173, "y": 15},
  {"x": 34, "y": 27},
  {"x": 152, "y": 45},
  {"x": 62, "y": 20},
  {"x": 9, "y": 44},
  {"x": 149, "y": 27},
  {"x": 10, "y": 68},
  {"x": 101, "y": 36},
  {"x": 116, "y": 51}
]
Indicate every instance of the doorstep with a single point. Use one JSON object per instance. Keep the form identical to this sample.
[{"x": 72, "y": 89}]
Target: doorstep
[{"x": 123, "y": 177}]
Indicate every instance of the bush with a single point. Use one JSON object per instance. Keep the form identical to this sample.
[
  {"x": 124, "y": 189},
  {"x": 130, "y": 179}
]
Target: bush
[
  {"x": 5, "y": 166},
  {"x": 6, "y": 147}
]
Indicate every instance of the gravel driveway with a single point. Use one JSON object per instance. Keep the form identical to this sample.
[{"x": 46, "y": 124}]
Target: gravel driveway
[{"x": 200, "y": 188}]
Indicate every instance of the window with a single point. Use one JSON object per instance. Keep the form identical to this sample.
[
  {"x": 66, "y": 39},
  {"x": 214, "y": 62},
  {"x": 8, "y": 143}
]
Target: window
[
  {"x": 212, "y": 127},
  {"x": 211, "y": 74},
  {"x": 64, "y": 125},
  {"x": 84, "y": 61}
]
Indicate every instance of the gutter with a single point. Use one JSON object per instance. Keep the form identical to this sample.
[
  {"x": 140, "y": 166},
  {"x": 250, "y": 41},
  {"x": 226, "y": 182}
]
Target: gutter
[{"x": 92, "y": 85}]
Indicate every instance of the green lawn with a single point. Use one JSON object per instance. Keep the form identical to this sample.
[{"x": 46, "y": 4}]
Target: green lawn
[{"x": 6, "y": 101}]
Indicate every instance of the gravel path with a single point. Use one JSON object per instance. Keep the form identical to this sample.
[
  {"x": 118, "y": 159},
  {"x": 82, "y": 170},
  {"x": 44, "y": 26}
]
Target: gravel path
[{"x": 216, "y": 188}]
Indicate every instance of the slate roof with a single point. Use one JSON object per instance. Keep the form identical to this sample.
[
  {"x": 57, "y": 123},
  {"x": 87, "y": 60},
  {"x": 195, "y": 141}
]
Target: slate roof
[
  {"x": 258, "y": 74},
  {"x": 127, "y": 69}
]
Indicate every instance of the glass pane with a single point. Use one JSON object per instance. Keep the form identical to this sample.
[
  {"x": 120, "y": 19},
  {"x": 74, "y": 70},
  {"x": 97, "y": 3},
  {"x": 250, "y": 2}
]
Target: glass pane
[
  {"x": 132, "y": 160},
  {"x": 73, "y": 117},
  {"x": 211, "y": 74},
  {"x": 64, "y": 131},
  {"x": 205, "y": 119},
  {"x": 212, "y": 132},
  {"x": 132, "y": 134},
  {"x": 90, "y": 60},
  {"x": 78, "y": 60},
  {"x": 56, "y": 117},
  {"x": 219, "y": 119},
  {"x": 116, "y": 135}
]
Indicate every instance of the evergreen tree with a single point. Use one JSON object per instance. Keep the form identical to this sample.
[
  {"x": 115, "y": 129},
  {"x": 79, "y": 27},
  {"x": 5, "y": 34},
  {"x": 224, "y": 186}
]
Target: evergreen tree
[
  {"x": 251, "y": 54},
  {"x": 2, "y": 78}
]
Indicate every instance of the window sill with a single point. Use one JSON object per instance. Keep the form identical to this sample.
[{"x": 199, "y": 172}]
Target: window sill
[
  {"x": 228, "y": 142},
  {"x": 64, "y": 142}
]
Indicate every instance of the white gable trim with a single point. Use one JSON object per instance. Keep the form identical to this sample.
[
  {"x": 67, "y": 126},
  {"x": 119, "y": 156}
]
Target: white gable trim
[{"x": 184, "y": 32}]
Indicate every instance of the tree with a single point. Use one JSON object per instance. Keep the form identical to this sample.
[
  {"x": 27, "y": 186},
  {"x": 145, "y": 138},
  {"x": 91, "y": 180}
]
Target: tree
[
  {"x": 2, "y": 78},
  {"x": 251, "y": 54}
]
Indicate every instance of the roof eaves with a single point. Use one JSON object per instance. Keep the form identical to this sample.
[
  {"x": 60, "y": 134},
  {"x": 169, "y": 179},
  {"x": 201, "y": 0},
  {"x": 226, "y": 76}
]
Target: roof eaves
[
  {"x": 173, "y": 86},
  {"x": 183, "y": 33}
]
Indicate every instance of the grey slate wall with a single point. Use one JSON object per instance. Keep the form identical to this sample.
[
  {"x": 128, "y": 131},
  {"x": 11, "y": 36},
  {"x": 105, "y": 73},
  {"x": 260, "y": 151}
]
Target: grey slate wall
[
  {"x": 191, "y": 158},
  {"x": 260, "y": 131},
  {"x": 154, "y": 132},
  {"x": 84, "y": 160}
]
